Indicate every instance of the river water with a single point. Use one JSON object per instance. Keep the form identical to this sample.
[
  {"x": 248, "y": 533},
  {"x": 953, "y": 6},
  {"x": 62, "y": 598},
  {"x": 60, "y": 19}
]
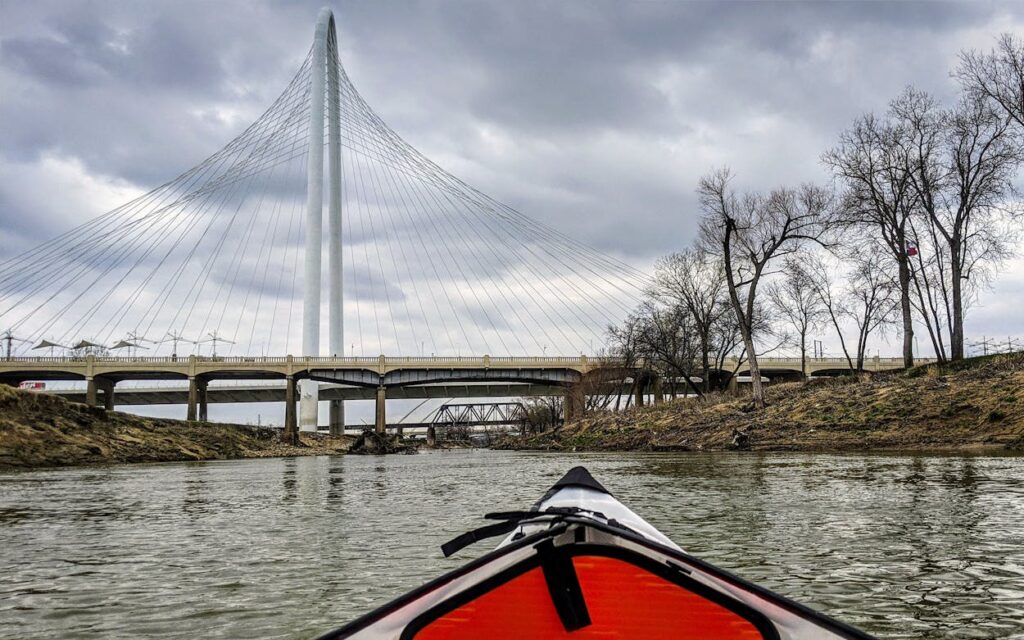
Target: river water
[{"x": 903, "y": 546}]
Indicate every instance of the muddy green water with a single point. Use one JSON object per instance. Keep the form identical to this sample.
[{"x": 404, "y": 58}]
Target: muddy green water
[{"x": 903, "y": 546}]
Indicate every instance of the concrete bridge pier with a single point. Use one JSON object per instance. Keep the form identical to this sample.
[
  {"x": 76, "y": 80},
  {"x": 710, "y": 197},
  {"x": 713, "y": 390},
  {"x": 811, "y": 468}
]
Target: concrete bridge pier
[
  {"x": 201, "y": 385},
  {"x": 95, "y": 384},
  {"x": 107, "y": 386},
  {"x": 290, "y": 434},
  {"x": 573, "y": 403},
  {"x": 656, "y": 390},
  {"x": 193, "y": 399},
  {"x": 90, "y": 391},
  {"x": 380, "y": 422},
  {"x": 198, "y": 405},
  {"x": 337, "y": 417},
  {"x": 639, "y": 390}
]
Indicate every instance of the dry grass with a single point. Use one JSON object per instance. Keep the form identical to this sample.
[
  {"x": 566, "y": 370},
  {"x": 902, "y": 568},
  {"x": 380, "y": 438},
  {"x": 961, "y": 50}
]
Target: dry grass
[
  {"x": 978, "y": 403},
  {"x": 41, "y": 430}
]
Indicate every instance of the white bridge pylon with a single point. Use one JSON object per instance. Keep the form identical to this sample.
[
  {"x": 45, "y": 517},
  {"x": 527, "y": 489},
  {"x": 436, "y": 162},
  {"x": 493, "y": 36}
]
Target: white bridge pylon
[
  {"x": 226, "y": 260},
  {"x": 324, "y": 86}
]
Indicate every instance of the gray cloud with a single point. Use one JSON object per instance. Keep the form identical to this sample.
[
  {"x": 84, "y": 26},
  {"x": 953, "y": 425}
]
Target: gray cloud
[{"x": 594, "y": 117}]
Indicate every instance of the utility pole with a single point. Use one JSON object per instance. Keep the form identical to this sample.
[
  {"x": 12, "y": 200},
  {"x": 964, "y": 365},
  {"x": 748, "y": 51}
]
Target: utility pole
[
  {"x": 984, "y": 344},
  {"x": 8, "y": 338},
  {"x": 215, "y": 338},
  {"x": 174, "y": 337},
  {"x": 134, "y": 338}
]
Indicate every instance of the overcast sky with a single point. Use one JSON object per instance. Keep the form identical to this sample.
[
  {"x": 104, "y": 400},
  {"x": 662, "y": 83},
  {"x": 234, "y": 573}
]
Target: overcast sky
[{"x": 595, "y": 117}]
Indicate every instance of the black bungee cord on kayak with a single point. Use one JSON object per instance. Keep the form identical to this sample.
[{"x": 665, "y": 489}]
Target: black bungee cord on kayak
[{"x": 510, "y": 520}]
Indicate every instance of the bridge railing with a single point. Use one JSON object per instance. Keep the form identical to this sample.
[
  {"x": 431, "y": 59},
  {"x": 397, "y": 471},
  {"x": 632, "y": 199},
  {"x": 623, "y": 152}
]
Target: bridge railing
[{"x": 370, "y": 362}]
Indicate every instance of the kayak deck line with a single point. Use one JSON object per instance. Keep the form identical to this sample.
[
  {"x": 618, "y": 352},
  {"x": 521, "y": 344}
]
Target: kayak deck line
[{"x": 579, "y": 564}]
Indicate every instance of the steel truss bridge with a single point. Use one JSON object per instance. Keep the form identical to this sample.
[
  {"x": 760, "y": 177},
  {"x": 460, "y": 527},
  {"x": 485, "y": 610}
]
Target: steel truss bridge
[
  {"x": 458, "y": 421},
  {"x": 479, "y": 414}
]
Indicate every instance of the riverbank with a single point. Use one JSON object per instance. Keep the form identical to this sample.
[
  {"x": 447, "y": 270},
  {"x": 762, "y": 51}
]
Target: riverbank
[
  {"x": 976, "y": 404},
  {"x": 39, "y": 430}
]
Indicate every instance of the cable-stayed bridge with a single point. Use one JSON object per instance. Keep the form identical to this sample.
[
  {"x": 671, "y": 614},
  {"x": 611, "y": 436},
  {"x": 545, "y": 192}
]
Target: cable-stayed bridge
[{"x": 232, "y": 255}]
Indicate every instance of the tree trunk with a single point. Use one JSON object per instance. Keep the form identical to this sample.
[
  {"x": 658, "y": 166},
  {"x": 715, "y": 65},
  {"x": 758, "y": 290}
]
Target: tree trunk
[
  {"x": 905, "y": 311},
  {"x": 862, "y": 341},
  {"x": 956, "y": 335},
  {"x": 803, "y": 355},
  {"x": 689, "y": 381},
  {"x": 705, "y": 364},
  {"x": 744, "y": 320},
  {"x": 746, "y": 332},
  {"x": 928, "y": 313},
  {"x": 755, "y": 372},
  {"x": 842, "y": 340}
]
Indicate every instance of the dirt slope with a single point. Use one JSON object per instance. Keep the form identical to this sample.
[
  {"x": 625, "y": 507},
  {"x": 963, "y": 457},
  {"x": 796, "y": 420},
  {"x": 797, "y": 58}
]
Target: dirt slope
[
  {"x": 978, "y": 403},
  {"x": 41, "y": 430}
]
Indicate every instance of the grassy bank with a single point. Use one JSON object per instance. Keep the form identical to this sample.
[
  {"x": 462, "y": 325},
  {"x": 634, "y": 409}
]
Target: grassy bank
[
  {"x": 974, "y": 404},
  {"x": 38, "y": 430}
]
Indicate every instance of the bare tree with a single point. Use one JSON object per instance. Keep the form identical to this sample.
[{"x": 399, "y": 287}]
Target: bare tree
[
  {"x": 726, "y": 340},
  {"x": 931, "y": 284},
  {"x": 797, "y": 302},
  {"x": 824, "y": 282},
  {"x": 601, "y": 385},
  {"x": 879, "y": 199},
  {"x": 695, "y": 280},
  {"x": 996, "y": 76},
  {"x": 749, "y": 233},
  {"x": 871, "y": 302},
  {"x": 543, "y": 412},
  {"x": 667, "y": 338},
  {"x": 624, "y": 343},
  {"x": 962, "y": 162}
]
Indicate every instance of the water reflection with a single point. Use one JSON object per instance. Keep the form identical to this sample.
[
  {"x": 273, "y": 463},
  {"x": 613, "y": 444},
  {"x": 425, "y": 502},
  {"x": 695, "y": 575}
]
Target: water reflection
[
  {"x": 289, "y": 479},
  {"x": 335, "y": 481},
  {"x": 907, "y": 547},
  {"x": 195, "y": 501}
]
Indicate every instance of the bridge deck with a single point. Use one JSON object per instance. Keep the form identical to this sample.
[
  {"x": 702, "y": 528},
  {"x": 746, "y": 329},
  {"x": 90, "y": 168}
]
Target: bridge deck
[
  {"x": 154, "y": 368},
  {"x": 136, "y": 396}
]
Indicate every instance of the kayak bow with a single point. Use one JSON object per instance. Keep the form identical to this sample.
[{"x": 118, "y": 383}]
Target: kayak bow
[{"x": 579, "y": 565}]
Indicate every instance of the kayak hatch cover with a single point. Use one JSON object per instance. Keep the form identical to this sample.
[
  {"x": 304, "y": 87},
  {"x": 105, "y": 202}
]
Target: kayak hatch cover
[{"x": 581, "y": 565}]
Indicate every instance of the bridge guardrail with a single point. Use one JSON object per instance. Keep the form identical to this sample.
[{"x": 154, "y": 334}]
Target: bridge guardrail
[{"x": 414, "y": 361}]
